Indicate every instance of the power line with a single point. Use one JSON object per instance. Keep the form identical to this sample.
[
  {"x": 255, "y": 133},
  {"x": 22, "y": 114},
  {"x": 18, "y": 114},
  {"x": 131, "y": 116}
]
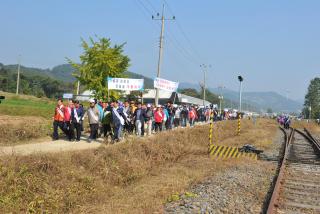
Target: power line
[
  {"x": 163, "y": 19},
  {"x": 151, "y": 5},
  {"x": 144, "y": 6},
  {"x": 171, "y": 38},
  {"x": 183, "y": 33}
]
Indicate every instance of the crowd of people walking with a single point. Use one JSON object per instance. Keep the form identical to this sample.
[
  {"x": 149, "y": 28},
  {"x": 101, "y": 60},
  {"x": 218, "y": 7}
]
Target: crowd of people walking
[{"x": 112, "y": 120}]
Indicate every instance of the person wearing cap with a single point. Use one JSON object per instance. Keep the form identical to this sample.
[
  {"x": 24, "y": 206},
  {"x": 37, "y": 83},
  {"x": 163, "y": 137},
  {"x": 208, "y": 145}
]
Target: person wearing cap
[
  {"x": 93, "y": 117},
  {"x": 128, "y": 123},
  {"x": 149, "y": 119},
  {"x": 118, "y": 121},
  {"x": 139, "y": 116},
  {"x": 177, "y": 112},
  {"x": 77, "y": 118}
]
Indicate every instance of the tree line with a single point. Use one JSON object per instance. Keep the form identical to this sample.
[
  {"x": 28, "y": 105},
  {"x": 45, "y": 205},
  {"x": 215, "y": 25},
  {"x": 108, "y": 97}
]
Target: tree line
[
  {"x": 312, "y": 100},
  {"x": 39, "y": 86}
]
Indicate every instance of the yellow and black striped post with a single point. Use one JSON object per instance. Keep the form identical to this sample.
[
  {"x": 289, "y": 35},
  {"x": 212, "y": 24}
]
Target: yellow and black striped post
[
  {"x": 239, "y": 123},
  {"x": 210, "y": 131},
  {"x": 227, "y": 152}
]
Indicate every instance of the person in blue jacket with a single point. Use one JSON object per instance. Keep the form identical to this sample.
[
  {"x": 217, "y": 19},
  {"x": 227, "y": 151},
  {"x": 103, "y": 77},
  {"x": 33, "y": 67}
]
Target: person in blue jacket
[
  {"x": 77, "y": 114},
  {"x": 118, "y": 119}
]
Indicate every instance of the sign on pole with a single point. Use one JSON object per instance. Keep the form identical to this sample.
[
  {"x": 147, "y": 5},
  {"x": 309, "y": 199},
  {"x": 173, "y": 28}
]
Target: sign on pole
[
  {"x": 165, "y": 84},
  {"x": 67, "y": 96},
  {"x": 125, "y": 84}
]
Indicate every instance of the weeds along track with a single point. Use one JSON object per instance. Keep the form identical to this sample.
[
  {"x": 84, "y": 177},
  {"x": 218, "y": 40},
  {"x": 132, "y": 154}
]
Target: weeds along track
[{"x": 297, "y": 189}]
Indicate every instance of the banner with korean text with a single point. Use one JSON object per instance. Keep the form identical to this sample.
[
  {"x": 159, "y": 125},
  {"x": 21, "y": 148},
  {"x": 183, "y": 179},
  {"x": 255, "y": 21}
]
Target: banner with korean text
[
  {"x": 165, "y": 84},
  {"x": 125, "y": 84}
]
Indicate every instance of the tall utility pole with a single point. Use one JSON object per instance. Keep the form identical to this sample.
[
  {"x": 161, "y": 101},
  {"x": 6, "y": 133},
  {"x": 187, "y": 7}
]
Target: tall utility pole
[
  {"x": 18, "y": 76},
  {"x": 221, "y": 87},
  {"x": 160, "y": 47},
  {"x": 204, "y": 81},
  {"x": 78, "y": 87}
]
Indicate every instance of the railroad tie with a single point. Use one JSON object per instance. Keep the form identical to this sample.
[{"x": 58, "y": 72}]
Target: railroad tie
[{"x": 227, "y": 152}]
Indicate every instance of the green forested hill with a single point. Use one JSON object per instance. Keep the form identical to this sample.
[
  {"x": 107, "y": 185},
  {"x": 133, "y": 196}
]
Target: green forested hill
[
  {"x": 46, "y": 82},
  {"x": 32, "y": 82},
  {"x": 64, "y": 73}
]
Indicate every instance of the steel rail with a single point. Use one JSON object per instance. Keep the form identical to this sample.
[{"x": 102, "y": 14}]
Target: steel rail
[
  {"x": 273, "y": 204},
  {"x": 314, "y": 141}
]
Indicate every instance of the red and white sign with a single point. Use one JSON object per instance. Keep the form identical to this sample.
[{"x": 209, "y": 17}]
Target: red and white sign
[
  {"x": 125, "y": 84},
  {"x": 165, "y": 84}
]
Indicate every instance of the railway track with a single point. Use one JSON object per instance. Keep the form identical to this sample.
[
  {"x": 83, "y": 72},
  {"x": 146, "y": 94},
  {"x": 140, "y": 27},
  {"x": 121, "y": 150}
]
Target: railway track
[{"x": 297, "y": 189}]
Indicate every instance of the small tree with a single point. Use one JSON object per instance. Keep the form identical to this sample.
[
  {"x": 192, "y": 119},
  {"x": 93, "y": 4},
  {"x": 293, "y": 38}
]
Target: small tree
[{"x": 98, "y": 61}]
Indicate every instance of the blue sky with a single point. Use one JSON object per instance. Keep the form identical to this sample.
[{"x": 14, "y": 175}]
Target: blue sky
[{"x": 274, "y": 44}]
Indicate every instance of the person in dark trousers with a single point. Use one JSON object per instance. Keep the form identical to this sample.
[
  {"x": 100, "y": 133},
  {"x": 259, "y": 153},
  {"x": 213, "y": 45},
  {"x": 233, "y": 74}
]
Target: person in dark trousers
[
  {"x": 168, "y": 123},
  {"x": 158, "y": 119},
  {"x": 77, "y": 118},
  {"x": 184, "y": 116},
  {"x": 58, "y": 119},
  {"x": 107, "y": 120},
  {"x": 139, "y": 116},
  {"x": 84, "y": 112},
  {"x": 118, "y": 119},
  {"x": 93, "y": 116},
  {"x": 69, "y": 126}
]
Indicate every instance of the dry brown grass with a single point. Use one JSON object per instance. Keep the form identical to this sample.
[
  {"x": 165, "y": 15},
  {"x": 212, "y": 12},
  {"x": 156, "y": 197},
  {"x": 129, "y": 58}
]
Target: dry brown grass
[
  {"x": 15, "y": 130},
  {"x": 134, "y": 177},
  {"x": 257, "y": 134},
  {"x": 312, "y": 126}
]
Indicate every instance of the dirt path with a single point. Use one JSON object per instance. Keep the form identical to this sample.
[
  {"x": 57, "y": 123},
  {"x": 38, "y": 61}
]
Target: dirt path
[{"x": 49, "y": 146}]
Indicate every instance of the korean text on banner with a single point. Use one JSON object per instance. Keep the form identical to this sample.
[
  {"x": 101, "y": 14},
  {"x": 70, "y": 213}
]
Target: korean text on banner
[
  {"x": 125, "y": 84},
  {"x": 165, "y": 84},
  {"x": 67, "y": 96}
]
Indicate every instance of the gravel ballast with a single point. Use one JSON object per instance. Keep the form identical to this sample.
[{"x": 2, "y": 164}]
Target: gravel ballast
[{"x": 243, "y": 188}]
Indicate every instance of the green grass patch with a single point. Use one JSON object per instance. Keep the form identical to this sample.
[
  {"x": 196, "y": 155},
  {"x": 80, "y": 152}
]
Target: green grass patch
[{"x": 16, "y": 106}]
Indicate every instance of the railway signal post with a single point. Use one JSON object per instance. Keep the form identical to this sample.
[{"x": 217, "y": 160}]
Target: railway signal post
[
  {"x": 239, "y": 124},
  {"x": 240, "y": 78}
]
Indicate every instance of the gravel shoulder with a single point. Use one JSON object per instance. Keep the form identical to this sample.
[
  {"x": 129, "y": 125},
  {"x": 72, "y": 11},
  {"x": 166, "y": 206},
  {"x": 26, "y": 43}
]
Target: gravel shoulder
[{"x": 242, "y": 188}]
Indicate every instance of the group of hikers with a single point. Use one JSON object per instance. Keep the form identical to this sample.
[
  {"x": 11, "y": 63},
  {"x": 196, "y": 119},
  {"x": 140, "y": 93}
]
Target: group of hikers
[
  {"x": 113, "y": 119},
  {"x": 284, "y": 121}
]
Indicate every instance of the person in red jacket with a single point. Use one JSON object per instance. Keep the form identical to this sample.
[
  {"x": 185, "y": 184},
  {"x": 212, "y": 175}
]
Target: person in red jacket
[
  {"x": 158, "y": 119},
  {"x": 58, "y": 119},
  {"x": 68, "y": 122},
  {"x": 192, "y": 116}
]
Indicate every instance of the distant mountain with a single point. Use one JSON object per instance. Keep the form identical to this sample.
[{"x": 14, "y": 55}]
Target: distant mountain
[
  {"x": 64, "y": 73},
  {"x": 258, "y": 100},
  {"x": 189, "y": 85},
  {"x": 263, "y": 100}
]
